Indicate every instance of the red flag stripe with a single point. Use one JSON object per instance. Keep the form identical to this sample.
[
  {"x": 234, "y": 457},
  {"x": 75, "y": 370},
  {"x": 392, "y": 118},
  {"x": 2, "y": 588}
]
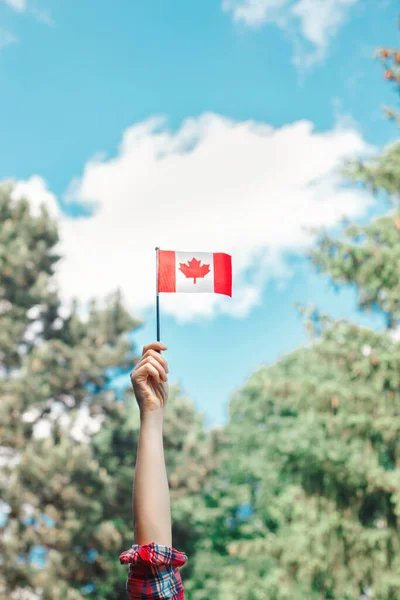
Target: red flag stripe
[
  {"x": 222, "y": 274},
  {"x": 166, "y": 271}
]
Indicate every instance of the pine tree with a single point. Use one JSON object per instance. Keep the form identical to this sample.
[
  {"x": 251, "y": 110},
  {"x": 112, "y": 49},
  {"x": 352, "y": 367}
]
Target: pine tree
[
  {"x": 53, "y": 371},
  {"x": 318, "y": 452},
  {"x": 391, "y": 63},
  {"x": 313, "y": 450}
]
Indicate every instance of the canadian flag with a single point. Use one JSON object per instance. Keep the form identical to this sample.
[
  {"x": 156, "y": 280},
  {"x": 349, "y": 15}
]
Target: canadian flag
[{"x": 194, "y": 272}]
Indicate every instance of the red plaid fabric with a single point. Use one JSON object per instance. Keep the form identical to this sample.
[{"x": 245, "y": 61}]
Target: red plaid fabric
[{"x": 153, "y": 572}]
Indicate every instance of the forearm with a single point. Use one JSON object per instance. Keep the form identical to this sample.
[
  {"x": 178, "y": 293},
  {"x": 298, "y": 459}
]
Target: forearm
[{"x": 151, "y": 502}]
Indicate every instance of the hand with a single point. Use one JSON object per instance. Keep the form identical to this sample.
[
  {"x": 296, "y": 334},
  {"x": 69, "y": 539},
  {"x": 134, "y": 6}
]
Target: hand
[{"x": 149, "y": 379}]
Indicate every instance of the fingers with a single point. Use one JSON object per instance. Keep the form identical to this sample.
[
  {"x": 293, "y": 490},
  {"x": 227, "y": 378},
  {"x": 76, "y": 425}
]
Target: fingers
[
  {"x": 142, "y": 372},
  {"x": 152, "y": 363},
  {"x": 158, "y": 357},
  {"x": 150, "y": 360},
  {"x": 157, "y": 346}
]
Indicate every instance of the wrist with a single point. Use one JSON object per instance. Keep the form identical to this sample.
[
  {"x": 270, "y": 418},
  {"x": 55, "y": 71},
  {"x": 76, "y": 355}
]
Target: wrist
[{"x": 152, "y": 417}]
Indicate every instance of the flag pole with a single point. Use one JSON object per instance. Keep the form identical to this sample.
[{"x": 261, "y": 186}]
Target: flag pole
[{"x": 157, "y": 296}]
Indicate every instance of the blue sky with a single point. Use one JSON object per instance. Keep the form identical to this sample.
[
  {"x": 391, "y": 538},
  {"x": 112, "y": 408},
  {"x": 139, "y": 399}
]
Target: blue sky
[{"x": 252, "y": 93}]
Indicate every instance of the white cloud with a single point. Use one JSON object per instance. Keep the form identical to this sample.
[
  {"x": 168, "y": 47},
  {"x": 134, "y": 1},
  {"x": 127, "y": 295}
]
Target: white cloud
[
  {"x": 255, "y": 12},
  {"x": 312, "y": 23},
  {"x": 6, "y": 38},
  {"x": 43, "y": 16},
  {"x": 19, "y": 5},
  {"x": 320, "y": 19},
  {"x": 35, "y": 189},
  {"x": 214, "y": 185}
]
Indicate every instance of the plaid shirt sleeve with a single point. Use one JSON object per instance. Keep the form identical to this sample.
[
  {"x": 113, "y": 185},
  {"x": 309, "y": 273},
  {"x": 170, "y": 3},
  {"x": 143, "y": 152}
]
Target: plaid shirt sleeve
[{"x": 153, "y": 572}]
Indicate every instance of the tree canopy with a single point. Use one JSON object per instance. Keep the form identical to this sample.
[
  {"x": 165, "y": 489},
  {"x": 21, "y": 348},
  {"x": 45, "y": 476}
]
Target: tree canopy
[
  {"x": 307, "y": 491},
  {"x": 297, "y": 497}
]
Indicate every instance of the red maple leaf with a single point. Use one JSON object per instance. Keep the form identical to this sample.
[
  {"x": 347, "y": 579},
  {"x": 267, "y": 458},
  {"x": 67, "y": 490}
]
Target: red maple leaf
[{"x": 193, "y": 269}]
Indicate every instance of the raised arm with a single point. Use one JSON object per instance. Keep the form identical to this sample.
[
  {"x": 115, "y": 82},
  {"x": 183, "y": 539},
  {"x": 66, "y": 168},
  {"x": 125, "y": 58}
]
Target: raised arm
[
  {"x": 151, "y": 502},
  {"x": 153, "y": 563}
]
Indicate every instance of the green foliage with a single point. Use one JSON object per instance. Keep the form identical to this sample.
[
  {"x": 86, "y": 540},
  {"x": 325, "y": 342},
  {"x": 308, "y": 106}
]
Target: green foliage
[
  {"x": 313, "y": 442},
  {"x": 53, "y": 486},
  {"x": 367, "y": 257},
  {"x": 71, "y": 494},
  {"x": 381, "y": 172},
  {"x": 314, "y": 447}
]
